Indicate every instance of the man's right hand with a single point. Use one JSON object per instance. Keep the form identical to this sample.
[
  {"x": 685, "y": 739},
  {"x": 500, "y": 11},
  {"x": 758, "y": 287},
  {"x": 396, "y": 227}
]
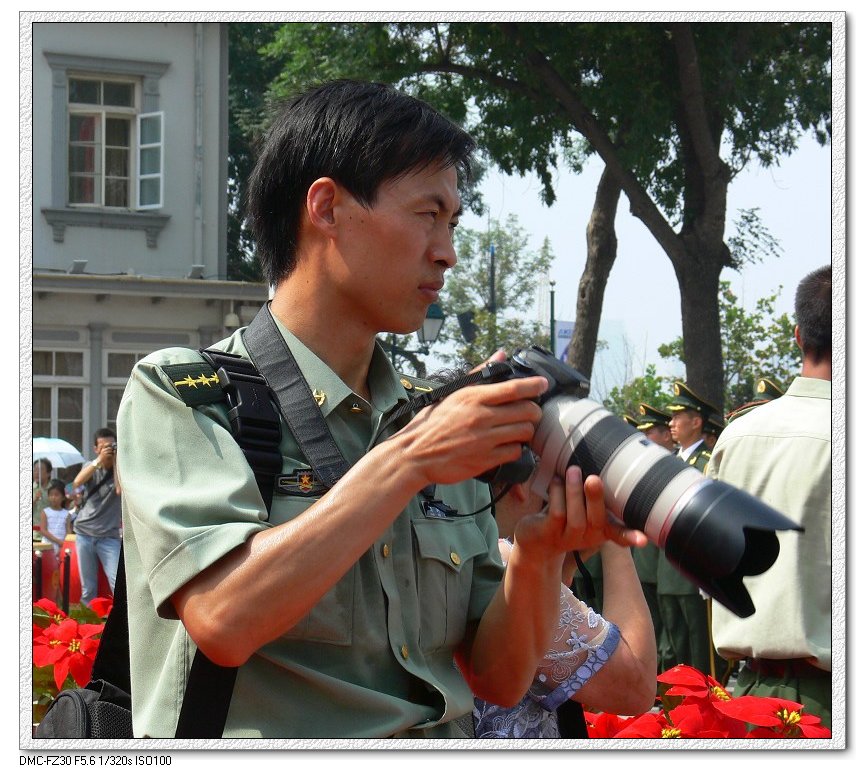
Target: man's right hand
[{"x": 474, "y": 429}]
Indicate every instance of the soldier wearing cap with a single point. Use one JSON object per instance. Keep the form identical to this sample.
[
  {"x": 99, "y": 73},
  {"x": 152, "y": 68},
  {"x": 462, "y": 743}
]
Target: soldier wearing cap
[
  {"x": 655, "y": 424},
  {"x": 690, "y": 416},
  {"x": 683, "y": 610},
  {"x": 712, "y": 429},
  {"x": 765, "y": 390}
]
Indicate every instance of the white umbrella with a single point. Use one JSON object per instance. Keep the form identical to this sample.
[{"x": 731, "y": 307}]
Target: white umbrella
[{"x": 59, "y": 452}]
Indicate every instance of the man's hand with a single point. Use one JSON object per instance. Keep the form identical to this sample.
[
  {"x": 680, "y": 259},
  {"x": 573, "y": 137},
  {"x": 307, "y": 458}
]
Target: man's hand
[
  {"x": 575, "y": 519},
  {"x": 106, "y": 453},
  {"x": 474, "y": 429}
]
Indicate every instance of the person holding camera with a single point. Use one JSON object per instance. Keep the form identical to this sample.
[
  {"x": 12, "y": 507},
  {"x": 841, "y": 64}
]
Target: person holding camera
[
  {"x": 97, "y": 524},
  {"x": 345, "y": 604}
]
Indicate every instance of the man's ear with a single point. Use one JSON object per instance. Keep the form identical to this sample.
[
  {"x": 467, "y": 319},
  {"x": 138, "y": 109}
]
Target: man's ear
[
  {"x": 798, "y": 337},
  {"x": 320, "y": 202}
]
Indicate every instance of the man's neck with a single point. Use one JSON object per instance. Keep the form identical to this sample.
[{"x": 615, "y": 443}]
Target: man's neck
[
  {"x": 345, "y": 348},
  {"x": 821, "y": 369}
]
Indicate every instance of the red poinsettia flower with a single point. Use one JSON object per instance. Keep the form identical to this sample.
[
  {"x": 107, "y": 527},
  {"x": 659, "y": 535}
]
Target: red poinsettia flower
[
  {"x": 52, "y": 609},
  {"x": 69, "y": 646},
  {"x": 687, "y": 721},
  {"x": 688, "y": 682},
  {"x": 774, "y": 717},
  {"x": 604, "y": 725},
  {"x": 102, "y": 606}
]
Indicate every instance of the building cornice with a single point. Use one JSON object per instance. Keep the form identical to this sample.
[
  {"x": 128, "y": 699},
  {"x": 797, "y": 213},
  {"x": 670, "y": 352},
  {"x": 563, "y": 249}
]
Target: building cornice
[{"x": 146, "y": 286}]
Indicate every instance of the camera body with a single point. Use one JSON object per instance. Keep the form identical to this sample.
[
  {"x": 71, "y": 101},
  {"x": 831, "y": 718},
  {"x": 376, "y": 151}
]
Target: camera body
[{"x": 712, "y": 532}]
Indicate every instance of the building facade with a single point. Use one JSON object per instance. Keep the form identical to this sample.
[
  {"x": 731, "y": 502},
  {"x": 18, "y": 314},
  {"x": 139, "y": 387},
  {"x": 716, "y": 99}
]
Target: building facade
[{"x": 130, "y": 145}]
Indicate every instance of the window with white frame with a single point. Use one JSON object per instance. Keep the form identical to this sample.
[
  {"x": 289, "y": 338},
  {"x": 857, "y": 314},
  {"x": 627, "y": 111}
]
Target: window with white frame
[
  {"x": 59, "y": 395},
  {"x": 118, "y": 366},
  {"x": 114, "y": 151}
]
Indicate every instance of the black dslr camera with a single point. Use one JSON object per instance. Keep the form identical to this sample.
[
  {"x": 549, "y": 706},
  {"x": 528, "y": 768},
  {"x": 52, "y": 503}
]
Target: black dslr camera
[{"x": 712, "y": 532}]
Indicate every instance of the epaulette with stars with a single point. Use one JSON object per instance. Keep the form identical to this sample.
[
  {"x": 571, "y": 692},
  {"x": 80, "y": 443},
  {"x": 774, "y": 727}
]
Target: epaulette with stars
[{"x": 196, "y": 382}]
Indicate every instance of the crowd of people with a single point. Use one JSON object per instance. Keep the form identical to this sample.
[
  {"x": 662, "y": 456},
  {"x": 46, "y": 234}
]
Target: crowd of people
[
  {"x": 87, "y": 510},
  {"x": 386, "y": 591}
]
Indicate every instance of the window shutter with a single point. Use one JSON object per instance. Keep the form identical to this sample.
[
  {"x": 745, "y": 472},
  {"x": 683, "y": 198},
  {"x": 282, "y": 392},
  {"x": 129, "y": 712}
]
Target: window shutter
[{"x": 150, "y": 160}]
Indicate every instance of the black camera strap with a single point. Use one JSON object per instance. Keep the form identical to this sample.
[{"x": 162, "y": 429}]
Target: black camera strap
[{"x": 274, "y": 361}]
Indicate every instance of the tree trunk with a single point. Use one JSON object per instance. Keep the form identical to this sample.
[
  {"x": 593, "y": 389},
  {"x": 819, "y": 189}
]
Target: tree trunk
[
  {"x": 699, "y": 273},
  {"x": 601, "y": 249}
]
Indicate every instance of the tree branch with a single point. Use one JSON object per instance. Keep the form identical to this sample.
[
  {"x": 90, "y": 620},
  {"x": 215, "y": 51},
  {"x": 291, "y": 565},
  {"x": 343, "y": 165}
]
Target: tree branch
[{"x": 585, "y": 122}]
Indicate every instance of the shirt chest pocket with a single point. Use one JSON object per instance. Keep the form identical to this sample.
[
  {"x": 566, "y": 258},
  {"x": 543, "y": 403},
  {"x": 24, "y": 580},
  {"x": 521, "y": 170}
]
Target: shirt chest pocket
[
  {"x": 444, "y": 557},
  {"x": 330, "y": 620}
]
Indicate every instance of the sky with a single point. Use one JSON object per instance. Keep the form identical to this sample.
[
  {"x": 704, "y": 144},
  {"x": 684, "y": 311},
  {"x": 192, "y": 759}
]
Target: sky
[{"x": 641, "y": 302}]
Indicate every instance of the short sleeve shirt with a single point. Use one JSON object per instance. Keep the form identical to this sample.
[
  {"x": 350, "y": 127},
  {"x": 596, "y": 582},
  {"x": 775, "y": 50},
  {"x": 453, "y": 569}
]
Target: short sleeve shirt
[{"x": 374, "y": 658}]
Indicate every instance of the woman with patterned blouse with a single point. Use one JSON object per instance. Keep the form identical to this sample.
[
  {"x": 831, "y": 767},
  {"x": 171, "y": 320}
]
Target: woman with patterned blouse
[{"x": 607, "y": 663}]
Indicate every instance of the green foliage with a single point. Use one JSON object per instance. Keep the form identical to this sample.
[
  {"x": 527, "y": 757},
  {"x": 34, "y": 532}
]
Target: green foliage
[
  {"x": 517, "y": 273},
  {"x": 754, "y": 345},
  {"x": 751, "y": 241},
  {"x": 651, "y": 388},
  {"x": 248, "y": 74}
]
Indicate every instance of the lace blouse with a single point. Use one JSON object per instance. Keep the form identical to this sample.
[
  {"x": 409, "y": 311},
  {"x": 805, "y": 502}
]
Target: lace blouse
[{"x": 581, "y": 646}]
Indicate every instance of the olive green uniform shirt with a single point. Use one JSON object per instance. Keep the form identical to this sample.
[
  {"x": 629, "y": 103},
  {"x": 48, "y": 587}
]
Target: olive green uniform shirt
[{"x": 374, "y": 657}]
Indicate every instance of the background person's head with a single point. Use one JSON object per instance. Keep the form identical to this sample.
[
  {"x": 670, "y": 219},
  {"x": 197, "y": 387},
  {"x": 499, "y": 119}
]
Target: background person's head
[
  {"x": 56, "y": 494},
  {"x": 813, "y": 312},
  {"x": 358, "y": 134},
  {"x": 42, "y": 470},
  {"x": 103, "y": 440}
]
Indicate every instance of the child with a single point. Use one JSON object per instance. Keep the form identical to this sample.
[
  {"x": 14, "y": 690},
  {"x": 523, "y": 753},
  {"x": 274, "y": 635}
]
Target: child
[{"x": 55, "y": 517}]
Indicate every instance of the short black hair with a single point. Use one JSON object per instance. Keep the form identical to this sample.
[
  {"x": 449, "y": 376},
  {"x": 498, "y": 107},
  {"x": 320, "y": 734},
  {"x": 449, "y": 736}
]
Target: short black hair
[
  {"x": 359, "y": 134},
  {"x": 813, "y": 311},
  {"x": 46, "y": 464},
  {"x": 104, "y": 432}
]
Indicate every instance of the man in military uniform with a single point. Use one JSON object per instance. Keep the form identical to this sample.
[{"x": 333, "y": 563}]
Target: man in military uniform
[
  {"x": 765, "y": 390},
  {"x": 655, "y": 424},
  {"x": 343, "y": 606},
  {"x": 683, "y": 609},
  {"x": 712, "y": 429}
]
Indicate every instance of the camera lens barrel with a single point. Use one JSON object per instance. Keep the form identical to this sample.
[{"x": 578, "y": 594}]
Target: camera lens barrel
[{"x": 712, "y": 532}]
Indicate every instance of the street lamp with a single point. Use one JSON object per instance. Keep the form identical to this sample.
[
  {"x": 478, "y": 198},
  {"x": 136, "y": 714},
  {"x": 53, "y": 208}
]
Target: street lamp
[
  {"x": 432, "y": 325},
  {"x": 426, "y": 335}
]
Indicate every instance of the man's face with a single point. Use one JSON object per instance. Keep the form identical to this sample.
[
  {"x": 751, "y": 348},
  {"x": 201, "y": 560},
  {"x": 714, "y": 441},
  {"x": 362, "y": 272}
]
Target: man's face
[
  {"x": 391, "y": 258},
  {"x": 686, "y": 427},
  {"x": 103, "y": 442},
  {"x": 660, "y": 435},
  {"x": 40, "y": 473}
]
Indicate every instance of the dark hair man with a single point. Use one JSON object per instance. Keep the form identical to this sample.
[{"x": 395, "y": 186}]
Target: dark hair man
[
  {"x": 97, "y": 525},
  {"x": 346, "y": 609},
  {"x": 781, "y": 452}
]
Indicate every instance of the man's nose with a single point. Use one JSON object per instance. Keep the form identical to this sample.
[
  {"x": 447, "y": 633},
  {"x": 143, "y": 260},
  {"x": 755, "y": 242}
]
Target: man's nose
[{"x": 442, "y": 250}]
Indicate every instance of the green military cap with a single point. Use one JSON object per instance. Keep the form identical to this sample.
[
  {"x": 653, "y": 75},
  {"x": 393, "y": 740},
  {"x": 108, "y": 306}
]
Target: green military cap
[
  {"x": 687, "y": 399},
  {"x": 651, "y": 416},
  {"x": 766, "y": 389},
  {"x": 715, "y": 423},
  {"x": 631, "y": 421}
]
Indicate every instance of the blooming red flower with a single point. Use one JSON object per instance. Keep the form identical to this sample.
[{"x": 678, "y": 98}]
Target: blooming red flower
[
  {"x": 53, "y": 610},
  {"x": 102, "y": 606},
  {"x": 774, "y": 717},
  {"x": 687, "y": 721},
  {"x": 69, "y": 646},
  {"x": 688, "y": 682},
  {"x": 603, "y": 725}
]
